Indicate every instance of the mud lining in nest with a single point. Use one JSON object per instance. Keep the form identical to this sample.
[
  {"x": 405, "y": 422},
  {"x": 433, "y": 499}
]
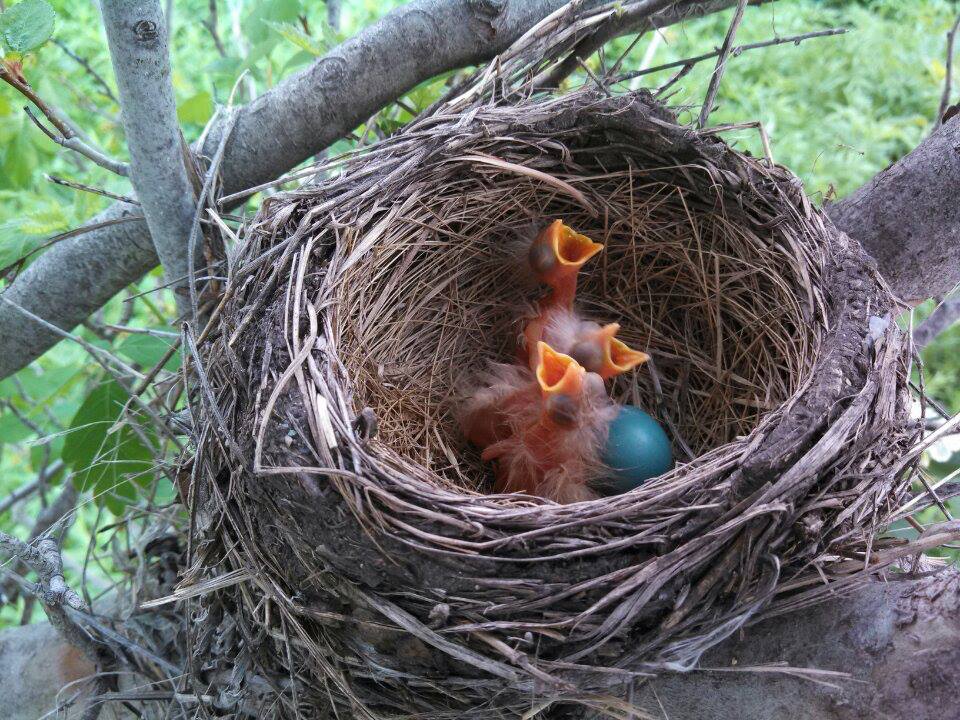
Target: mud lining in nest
[{"x": 385, "y": 582}]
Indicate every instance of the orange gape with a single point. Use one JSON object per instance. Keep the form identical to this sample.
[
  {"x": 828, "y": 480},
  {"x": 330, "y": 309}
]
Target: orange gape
[{"x": 556, "y": 256}]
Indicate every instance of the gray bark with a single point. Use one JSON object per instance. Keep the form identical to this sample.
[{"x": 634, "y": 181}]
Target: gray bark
[
  {"x": 908, "y": 217},
  {"x": 899, "y": 643},
  {"x": 137, "y": 36},
  {"x": 295, "y": 120}
]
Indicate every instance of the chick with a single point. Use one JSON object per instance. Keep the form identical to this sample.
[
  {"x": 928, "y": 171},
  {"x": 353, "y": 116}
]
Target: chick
[{"x": 543, "y": 430}]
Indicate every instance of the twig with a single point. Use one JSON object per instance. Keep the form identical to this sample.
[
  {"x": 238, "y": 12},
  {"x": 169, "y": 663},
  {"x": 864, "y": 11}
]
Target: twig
[
  {"x": 69, "y": 136},
  {"x": 72, "y": 142},
  {"x": 21, "y": 493},
  {"x": 44, "y": 559},
  {"x": 69, "y": 234},
  {"x": 56, "y": 180},
  {"x": 948, "y": 79},
  {"x": 942, "y": 318},
  {"x": 85, "y": 64},
  {"x": 752, "y": 125},
  {"x": 48, "y": 523},
  {"x": 688, "y": 63},
  {"x": 104, "y": 358},
  {"x": 333, "y": 14},
  {"x": 211, "y": 25},
  {"x": 721, "y": 64},
  {"x": 639, "y": 12}
]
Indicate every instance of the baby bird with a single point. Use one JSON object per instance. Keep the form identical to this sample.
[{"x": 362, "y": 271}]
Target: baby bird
[
  {"x": 556, "y": 256},
  {"x": 596, "y": 348},
  {"x": 543, "y": 430}
]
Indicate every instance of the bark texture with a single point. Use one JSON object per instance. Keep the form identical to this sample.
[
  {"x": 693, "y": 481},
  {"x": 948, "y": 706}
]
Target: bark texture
[
  {"x": 908, "y": 217},
  {"x": 900, "y": 642},
  {"x": 137, "y": 36}
]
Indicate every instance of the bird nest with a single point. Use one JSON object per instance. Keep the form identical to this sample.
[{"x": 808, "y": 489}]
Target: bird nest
[{"x": 367, "y": 567}]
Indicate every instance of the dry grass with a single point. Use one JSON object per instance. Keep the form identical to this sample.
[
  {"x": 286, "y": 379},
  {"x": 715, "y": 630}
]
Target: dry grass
[{"x": 442, "y": 294}]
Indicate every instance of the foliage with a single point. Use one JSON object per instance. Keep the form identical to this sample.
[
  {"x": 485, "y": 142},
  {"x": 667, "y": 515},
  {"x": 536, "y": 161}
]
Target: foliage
[{"x": 837, "y": 110}]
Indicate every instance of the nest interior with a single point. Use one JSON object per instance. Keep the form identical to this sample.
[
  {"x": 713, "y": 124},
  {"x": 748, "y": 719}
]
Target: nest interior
[
  {"x": 726, "y": 312},
  {"x": 329, "y": 467}
]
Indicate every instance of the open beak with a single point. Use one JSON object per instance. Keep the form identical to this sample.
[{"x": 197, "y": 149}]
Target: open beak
[
  {"x": 556, "y": 257},
  {"x": 617, "y": 357},
  {"x": 602, "y": 353},
  {"x": 561, "y": 382}
]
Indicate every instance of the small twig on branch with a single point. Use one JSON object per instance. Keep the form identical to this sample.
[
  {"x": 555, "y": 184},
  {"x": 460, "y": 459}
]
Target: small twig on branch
[
  {"x": 211, "y": 25},
  {"x": 637, "y": 13},
  {"x": 79, "y": 146},
  {"x": 44, "y": 557},
  {"x": 948, "y": 79},
  {"x": 85, "y": 64},
  {"x": 942, "y": 318},
  {"x": 69, "y": 234},
  {"x": 56, "y": 180},
  {"x": 688, "y": 63},
  {"x": 68, "y": 136},
  {"x": 725, "y": 50}
]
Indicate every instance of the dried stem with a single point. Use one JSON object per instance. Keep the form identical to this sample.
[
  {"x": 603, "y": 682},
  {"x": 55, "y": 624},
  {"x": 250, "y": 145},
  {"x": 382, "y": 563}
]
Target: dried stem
[
  {"x": 717, "y": 76},
  {"x": 688, "y": 63}
]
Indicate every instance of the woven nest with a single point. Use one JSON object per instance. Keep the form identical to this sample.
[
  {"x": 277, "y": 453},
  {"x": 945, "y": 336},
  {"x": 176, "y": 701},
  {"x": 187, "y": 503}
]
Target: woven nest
[{"x": 380, "y": 576}]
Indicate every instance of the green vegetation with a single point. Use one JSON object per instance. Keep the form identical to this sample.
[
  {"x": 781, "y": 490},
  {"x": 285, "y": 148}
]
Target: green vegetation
[{"x": 837, "y": 110}]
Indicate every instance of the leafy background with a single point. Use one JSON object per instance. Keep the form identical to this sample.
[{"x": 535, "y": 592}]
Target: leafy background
[{"x": 837, "y": 110}]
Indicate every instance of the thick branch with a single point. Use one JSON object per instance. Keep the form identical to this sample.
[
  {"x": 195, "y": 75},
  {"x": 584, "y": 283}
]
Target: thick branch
[
  {"x": 908, "y": 217},
  {"x": 898, "y": 641},
  {"x": 137, "y": 36}
]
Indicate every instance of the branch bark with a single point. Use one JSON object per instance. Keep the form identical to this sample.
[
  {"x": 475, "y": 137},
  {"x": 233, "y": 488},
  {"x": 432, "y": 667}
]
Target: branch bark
[
  {"x": 299, "y": 117},
  {"x": 137, "y": 36},
  {"x": 908, "y": 218},
  {"x": 899, "y": 642}
]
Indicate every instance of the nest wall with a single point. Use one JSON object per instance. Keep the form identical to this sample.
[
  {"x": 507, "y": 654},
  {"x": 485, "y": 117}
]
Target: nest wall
[{"x": 330, "y": 470}]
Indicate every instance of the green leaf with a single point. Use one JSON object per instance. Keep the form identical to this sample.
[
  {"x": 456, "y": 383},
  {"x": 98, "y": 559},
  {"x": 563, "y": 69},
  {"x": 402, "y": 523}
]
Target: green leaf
[
  {"x": 27, "y": 25},
  {"x": 254, "y": 25},
  {"x": 296, "y": 35},
  {"x": 196, "y": 109},
  {"x": 103, "y": 451},
  {"x": 147, "y": 350},
  {"x": 11, "y": 429}
]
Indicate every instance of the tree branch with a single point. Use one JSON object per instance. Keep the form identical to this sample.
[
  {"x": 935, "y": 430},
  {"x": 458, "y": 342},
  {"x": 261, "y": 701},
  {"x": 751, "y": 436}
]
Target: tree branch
[
  {"x": 137, "y": 36},
  {"x": 908, "y": 218},
  {"x": 948, "y": 74},
  {"x": 67, "y": 133},
  {"x": 896, "y": 642},
  {"x": 717, "y": 76},
  {"x": 286, "y": 125},
  {"x": 942, "y": 318}
]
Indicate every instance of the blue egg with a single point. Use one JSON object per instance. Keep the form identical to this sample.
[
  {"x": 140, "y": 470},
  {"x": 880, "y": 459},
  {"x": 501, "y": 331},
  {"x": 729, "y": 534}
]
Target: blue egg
[{"x": 637, "y": 449}]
